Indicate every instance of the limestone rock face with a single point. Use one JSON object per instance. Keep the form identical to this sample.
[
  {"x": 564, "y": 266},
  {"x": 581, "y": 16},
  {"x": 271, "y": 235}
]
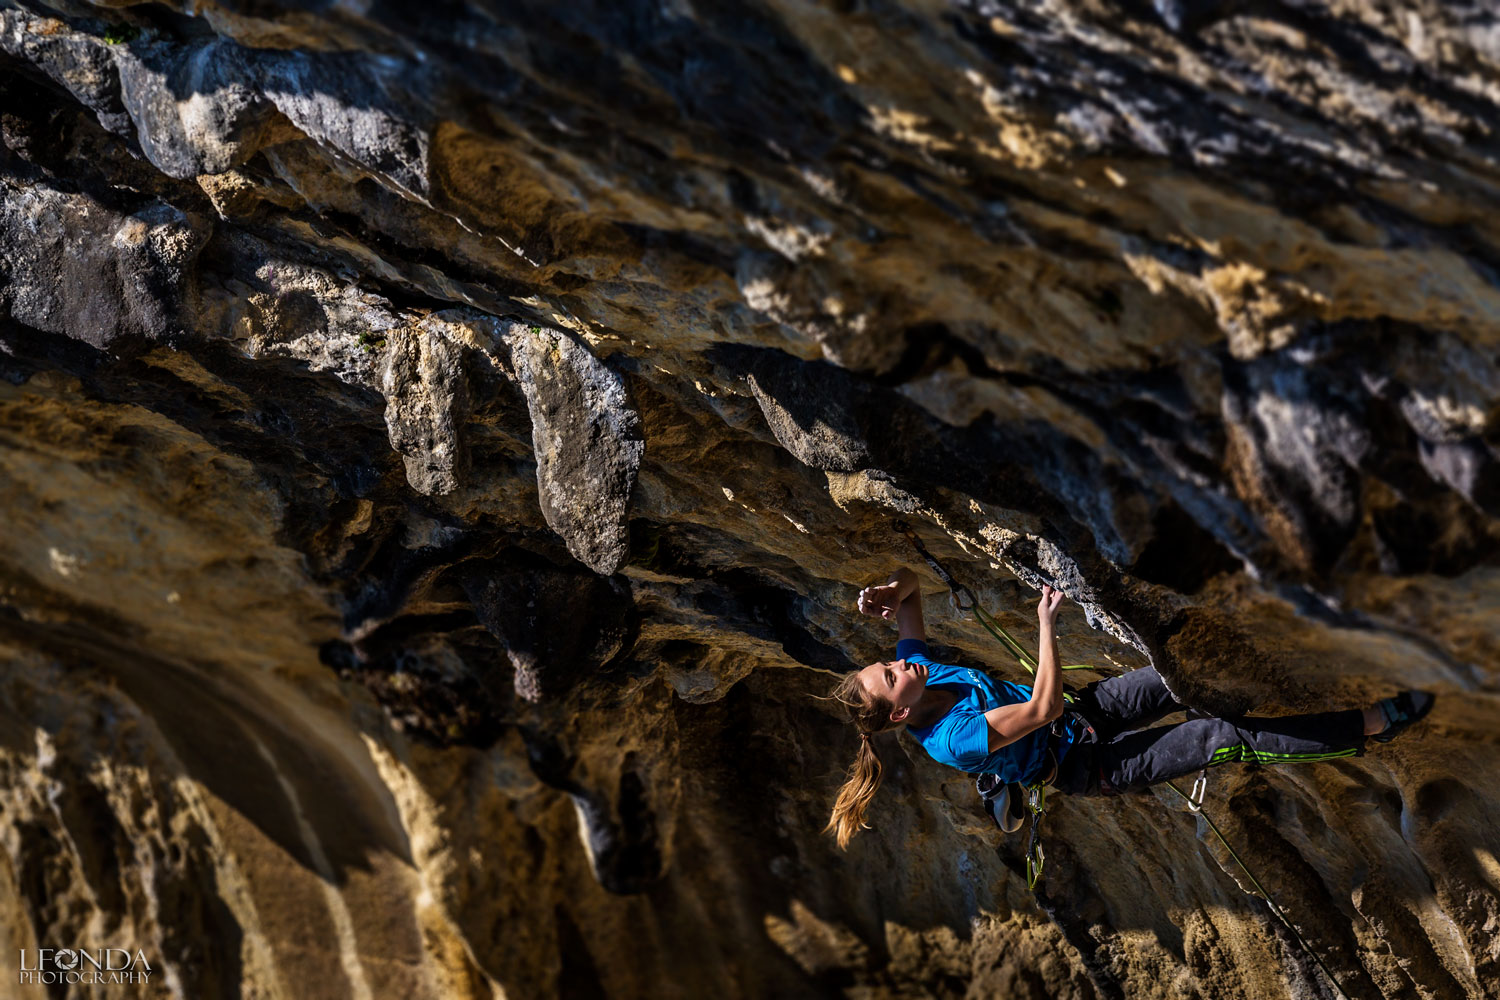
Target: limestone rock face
[
  {"x": 427, "y": 406},
  {"x": 587, "y": 441},
  {"x": 440, "y": 446},
  {"x": 91, "y": 272}
]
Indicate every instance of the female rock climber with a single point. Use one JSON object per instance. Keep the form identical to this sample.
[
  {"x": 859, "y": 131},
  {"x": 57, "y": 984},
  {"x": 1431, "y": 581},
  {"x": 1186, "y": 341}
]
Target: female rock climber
[{"x": 1096, "y": 746}]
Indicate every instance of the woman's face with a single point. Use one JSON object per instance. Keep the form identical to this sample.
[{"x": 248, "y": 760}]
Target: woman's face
[{"x": 898, "y": 682}]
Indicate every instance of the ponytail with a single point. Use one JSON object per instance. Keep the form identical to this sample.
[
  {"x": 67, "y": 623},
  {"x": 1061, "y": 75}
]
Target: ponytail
[
  {"x": 870, "y": 715},
  {"x": 854, "y": 798}
]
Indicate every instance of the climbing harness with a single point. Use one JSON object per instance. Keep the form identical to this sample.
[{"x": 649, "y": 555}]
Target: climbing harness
[{"x": 1036, "y": 802}]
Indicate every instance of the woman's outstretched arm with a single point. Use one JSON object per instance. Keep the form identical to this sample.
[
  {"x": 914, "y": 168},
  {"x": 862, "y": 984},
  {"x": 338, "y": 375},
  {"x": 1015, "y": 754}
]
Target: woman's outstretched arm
[
  {"x": 1009, "y": 723},
  {"x": 899, "y": 598}
]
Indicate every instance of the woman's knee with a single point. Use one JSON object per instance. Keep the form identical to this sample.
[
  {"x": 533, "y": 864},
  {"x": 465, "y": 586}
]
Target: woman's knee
[{"x": 1213, "y": 734}]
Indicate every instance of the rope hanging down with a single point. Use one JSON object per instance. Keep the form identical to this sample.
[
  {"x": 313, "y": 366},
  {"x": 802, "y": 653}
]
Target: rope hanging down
[
  {"x": 964, "y": 600},
  {"x": 1197, "y": 807}
]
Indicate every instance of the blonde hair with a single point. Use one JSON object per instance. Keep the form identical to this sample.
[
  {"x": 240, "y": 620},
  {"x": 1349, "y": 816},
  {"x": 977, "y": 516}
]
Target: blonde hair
[{"x": 871, "y": 715}]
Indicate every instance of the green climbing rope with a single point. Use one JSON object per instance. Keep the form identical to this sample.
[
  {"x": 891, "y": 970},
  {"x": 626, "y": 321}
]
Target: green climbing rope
[
  {"x": 964, "y": 600},
  {"x": 1008, "y": 641}
]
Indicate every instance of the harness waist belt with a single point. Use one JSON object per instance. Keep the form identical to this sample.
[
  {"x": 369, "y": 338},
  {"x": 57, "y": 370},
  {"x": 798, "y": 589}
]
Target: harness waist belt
[{"x": 1055, "y": 737}]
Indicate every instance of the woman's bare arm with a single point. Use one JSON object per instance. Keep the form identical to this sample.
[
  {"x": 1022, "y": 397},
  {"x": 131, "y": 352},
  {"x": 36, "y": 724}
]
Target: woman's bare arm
[
  {"x": 899, "y": 598},
  {"x": 1009, "y": 723}
]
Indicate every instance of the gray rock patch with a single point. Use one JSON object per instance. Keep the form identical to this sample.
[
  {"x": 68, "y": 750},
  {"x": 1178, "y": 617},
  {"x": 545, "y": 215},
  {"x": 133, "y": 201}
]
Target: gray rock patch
[
  {"x": 587, "y": 439},
  {"x": 75, "y": 267},
  {"x": 427, "y": 402}
]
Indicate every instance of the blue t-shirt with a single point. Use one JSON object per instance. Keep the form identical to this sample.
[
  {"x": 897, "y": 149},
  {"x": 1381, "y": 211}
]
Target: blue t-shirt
[{"x": 961, "y": 738}]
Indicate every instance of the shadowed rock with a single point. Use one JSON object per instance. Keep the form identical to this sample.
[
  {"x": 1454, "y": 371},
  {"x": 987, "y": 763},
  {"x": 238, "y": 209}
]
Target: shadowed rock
[
  {"x": 559, "y": 627},
  {"x": 206, "y": 106},
  {"x": 75, "y": 267}
]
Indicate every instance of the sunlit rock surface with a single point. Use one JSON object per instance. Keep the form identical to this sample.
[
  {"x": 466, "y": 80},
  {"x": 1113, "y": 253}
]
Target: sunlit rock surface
[{"x": 440, "y": 446}]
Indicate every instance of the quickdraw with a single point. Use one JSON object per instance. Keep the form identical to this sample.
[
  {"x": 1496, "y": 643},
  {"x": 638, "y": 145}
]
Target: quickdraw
[
  {"x": 1200, "y": 789},
  {"x": 1036, "y": 804}
]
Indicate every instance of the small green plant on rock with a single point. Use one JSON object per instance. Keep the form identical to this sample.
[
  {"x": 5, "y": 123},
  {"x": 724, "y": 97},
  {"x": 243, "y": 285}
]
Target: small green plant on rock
[{"x": 119, "y": 34}]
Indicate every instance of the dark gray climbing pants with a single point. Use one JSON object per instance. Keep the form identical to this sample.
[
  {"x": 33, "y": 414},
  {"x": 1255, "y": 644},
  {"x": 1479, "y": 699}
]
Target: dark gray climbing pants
[{"x": 1115, "y": 754}]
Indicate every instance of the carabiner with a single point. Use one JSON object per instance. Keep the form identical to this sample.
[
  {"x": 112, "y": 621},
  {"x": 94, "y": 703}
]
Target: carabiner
[
  {"x": 1034, "y": 861},
  {"x": 1200, "y": 789}
]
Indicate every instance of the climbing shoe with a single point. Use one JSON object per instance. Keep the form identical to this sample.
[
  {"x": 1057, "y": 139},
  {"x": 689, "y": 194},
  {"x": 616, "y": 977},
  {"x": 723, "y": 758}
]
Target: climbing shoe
[
  {"x": 1006, "y": 804},
  {"x": 1402, "y": 711}
]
